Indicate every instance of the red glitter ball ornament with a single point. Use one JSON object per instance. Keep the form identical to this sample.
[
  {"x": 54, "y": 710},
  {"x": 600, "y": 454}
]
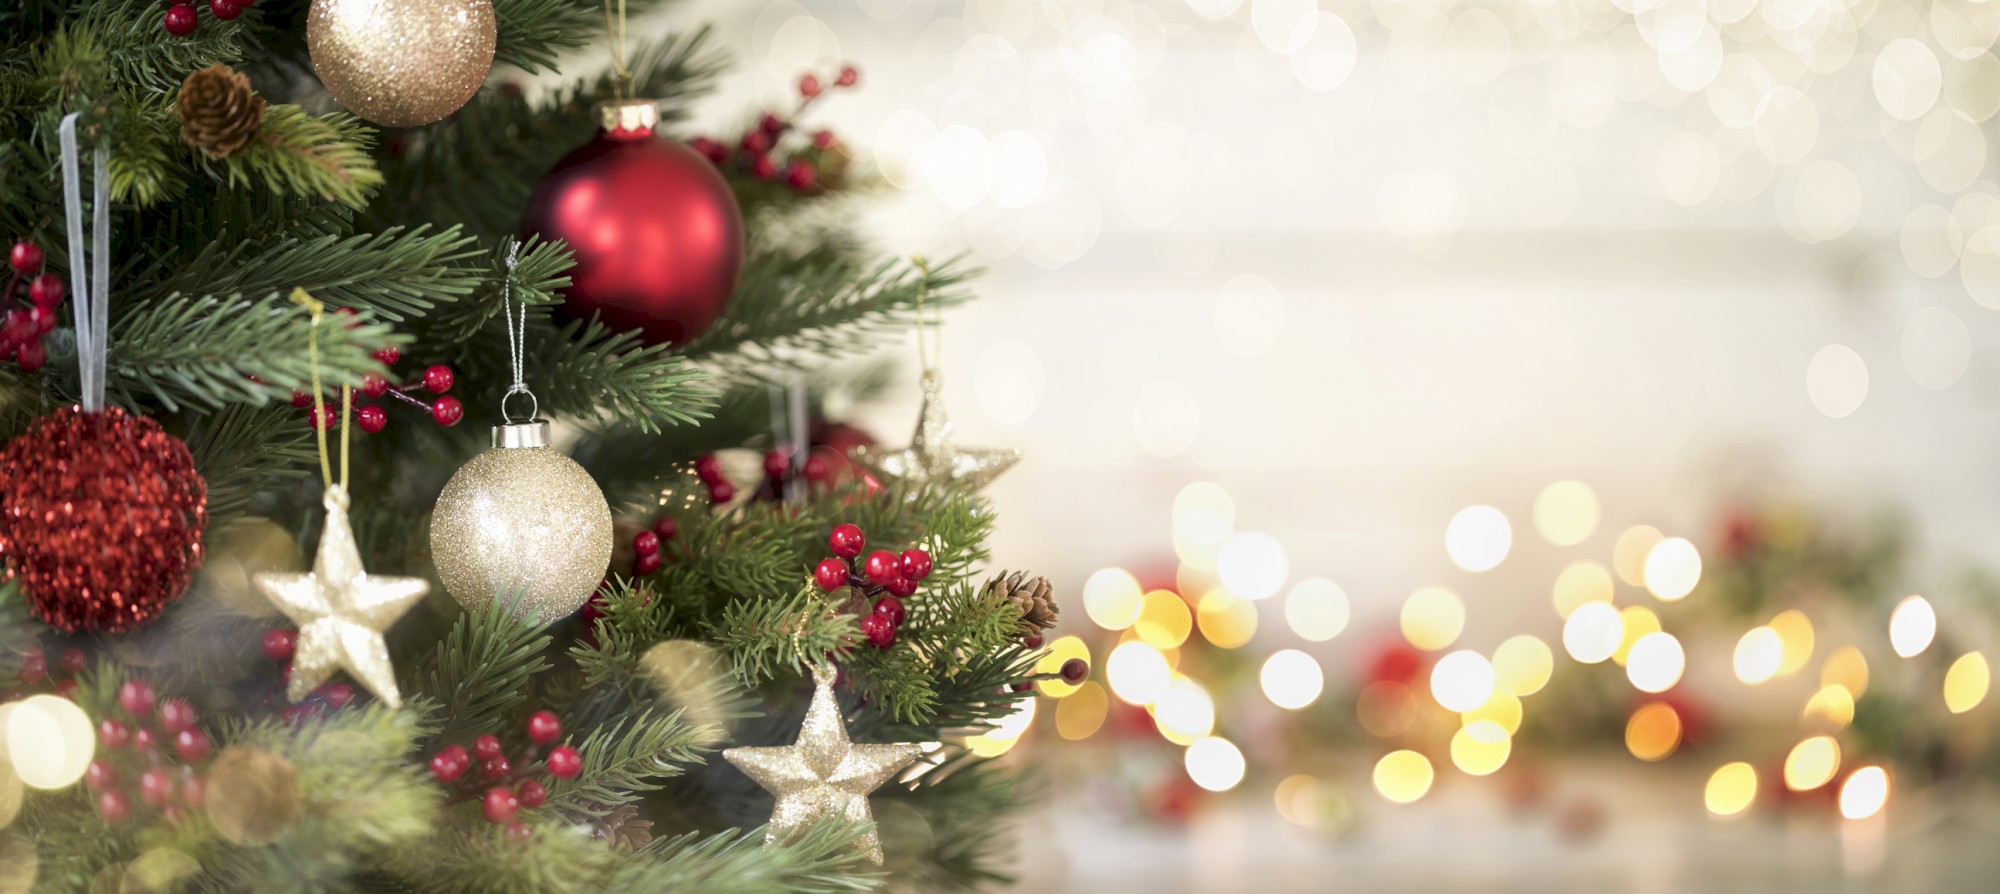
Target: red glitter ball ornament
[{"x": 101, "y": 517}]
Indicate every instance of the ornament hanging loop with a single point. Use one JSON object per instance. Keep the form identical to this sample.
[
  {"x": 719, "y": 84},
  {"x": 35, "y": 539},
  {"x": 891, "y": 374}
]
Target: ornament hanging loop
[
  {"x": 511, "y": 433},
  {"x": 92, "y": 290},
  {"x": 534, "y": 406}
]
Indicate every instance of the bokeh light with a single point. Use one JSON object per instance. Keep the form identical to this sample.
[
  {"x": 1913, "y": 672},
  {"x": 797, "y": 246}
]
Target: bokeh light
[
  {"x": 1316, "y": 609},
  {"x": 1386, "y": 708},
  {"x": 1478, "y": 538},
  {"x": 1252, "y": 565},
  {"x": 1912, "y": 627},
  {"x": 1164, "y": 620},
  {"x": 1082, "y": 714},
  {"x": 1522, "y": 665},
  {"x": 1837, "y": 381},
  {"x": 1185, "y": 713},
  {"x": 1830, "y": 709},
  {"x": 1865, "y": 793},
  {"x": 1227, "y": 620},
  {"x": 1138, "y": 673},
  {"x": 1845, "y": 667},
  {"x": 1593, "y": 632},
  {"x": 1635, "y": 622},
  {"x": 1214, "y": 764},
  {"x": 1481, "y": 747},
  {"x": 1673, "y": 567},
  {"x": 1462, "y": 680},
  {"x": 50, "y": 741},
  {"x": 1204, "y": 515},
  {"x": 1111, "y": 598},
  {"x": 1795, "y": 633},
  {"x": 1503, "y": 710},
  {"x": 1403, "y": 776},
  {"x": 1758, "y": 655},
  {"x": 1965, "y": 684},
  {"x": 1002, "y": 736},
  {"x": 1291, "y": 679},
  {"x": 1629, "y": 554},
  {"x": 1731, "y": 789},
  {"x": 1566, "y": 513},
  {"x": 1433, "y": 618},
  {"x": 1303, "y": 801},
  {"x": 1582, "y": 582},
  {"x": 1656, "y": 662},
  {"x": 1812, "y": 763},
  {"x": 1050, "y": 664},
  {"x": 1653, "y": 731}
]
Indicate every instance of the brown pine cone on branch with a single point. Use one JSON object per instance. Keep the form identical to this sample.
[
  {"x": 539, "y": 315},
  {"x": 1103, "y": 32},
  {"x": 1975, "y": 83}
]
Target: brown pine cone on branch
[
  {"x": 1035, "y": 597},
  {"x": 220, "y": 114}
]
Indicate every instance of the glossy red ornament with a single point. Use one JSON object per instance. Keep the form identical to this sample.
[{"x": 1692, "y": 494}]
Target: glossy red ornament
[
  {"x": 544, "y": 727},
  {"x": 831, "y": 574},
  {"x": 656, "y": 230},
  {"x": 101, "y": 517},
  {"x": 846, "y": 541}
]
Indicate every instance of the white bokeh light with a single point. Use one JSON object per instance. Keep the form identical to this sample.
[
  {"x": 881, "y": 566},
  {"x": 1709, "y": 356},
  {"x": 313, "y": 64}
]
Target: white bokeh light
[
  {"x": 1253, "y": 565},
  {"x": 1478, "y": 538}
]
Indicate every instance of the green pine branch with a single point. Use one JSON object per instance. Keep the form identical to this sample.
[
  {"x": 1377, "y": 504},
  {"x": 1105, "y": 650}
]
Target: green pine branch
[
  {"x": 533, "y": 32},
  {"x": 765, "y": 638},
  {"x": 243, "y": 450},
  {"x": 322, "y": 156},
  {"x": 480, "y": 671},
  {"x": 397, "y": 274},
  {"x": 586, "y": 371},
  {"x": 821, "y": 859},
  {"x": 622, "y": 760},
  {"x": 203, "y": 352}
]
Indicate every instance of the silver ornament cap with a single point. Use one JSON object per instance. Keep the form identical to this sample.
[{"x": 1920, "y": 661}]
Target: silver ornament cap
[{"x": 522, "y": 517}]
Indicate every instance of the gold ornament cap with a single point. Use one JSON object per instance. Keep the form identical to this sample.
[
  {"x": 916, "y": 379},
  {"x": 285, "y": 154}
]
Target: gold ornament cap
[
  {"x": 628, "y": 116},
  {"x": 521, "y": 434}
]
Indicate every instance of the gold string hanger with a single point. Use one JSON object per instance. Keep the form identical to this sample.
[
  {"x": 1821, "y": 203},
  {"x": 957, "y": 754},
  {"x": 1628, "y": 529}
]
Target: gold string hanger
[
  {"x": 614, "y": 26},
  {"x": 318, "y": 310}
]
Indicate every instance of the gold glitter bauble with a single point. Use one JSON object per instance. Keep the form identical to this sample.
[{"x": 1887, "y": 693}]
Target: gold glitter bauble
[
  {"x": 252, "y": 795},
  {"x": 401, "y": 63},
  {"x": 526, "y": 518}
]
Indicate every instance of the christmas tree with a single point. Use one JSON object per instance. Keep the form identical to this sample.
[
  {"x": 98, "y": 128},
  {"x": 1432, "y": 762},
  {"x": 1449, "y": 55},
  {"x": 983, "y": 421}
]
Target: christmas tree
[{"x": 283, "y": 275}]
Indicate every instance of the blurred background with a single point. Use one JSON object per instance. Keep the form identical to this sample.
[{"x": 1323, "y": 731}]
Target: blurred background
[{"x": 1517, "y": 445}]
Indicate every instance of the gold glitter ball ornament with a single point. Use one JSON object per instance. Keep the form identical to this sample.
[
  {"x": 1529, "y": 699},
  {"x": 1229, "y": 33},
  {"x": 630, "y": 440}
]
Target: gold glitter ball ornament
[
  {"x": 401, "y": 63},
  {"x": 522, "y": 517}
]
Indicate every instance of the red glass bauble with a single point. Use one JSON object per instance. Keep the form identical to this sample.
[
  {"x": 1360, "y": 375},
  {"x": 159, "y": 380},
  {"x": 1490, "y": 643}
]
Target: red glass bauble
[
  {"x": 101, "y": 517},
  {"x": 657, "y": 234}
]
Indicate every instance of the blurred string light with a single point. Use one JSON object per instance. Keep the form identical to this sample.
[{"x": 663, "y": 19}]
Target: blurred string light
[
  {"x": 1001, "y": 738},
  {"x": 50, "y": 741},
  {"x": 1478, "y": 538},
  {"x": 1830, "y": 709},
  {"x": 1403, "y": 776},
  {"x": 1432, "y": 618},
  {"x": 1252, "y": 565},
  {"x": 1635, "y": 622},
  {"x": 1653, "y": 731},
  {"x": 1629, "y": 554},
  {"x": 1673, "y": 567},
  {"x": 1462, "y": 681},
  {"x": 1226, "y": 620},
  {"x": 1795, "y": 634},
  {"x": 1138, "y": 673},
  {"x": 1656, "y": 662},
  {"x": 1214, "y": 764},
  {"x": 1847, "y": 668},
  {"x": 1579, "y": 583},
  {"x": 1291, "y": 679},
  {"x": 1164, "y": 620},
  {"x": 1912, "y": 626},
  {"x": 1480, "y": 748},
  {"x": 1082, "y": 714},
  {"x": 1731, "y": 789},
  {"x": 1185, "y": 713},
  {"x": 1111, "y": 598},
  {"x": 1966, "y": 682},
  {"x": 1865, "y": 793},
  {"x": 1812, "y": 763},
  {"x": 1316, "y": 609},
  {"x": 1593, "y": 632},
  {"x": 1503, "y": 709},
  {"x": 1566, "y": 513},
  {"x": 1758, "y": 655},
  {"x": 1522, "y": 665}
]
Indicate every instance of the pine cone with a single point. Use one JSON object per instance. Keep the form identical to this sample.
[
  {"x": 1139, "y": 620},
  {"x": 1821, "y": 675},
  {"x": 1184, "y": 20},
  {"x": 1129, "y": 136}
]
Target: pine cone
[
  {"x": 220, "y": 114},
  {"x": 1035, "y": 597},
  {"x": 622, "y": 827}
]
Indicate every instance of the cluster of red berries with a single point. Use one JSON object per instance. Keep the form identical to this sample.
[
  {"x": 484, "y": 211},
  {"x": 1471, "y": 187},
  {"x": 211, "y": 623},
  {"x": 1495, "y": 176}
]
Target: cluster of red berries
[
  {"x": 35, "y": 669},
  {"x": 181, "y": 20},
  {"x": 646, "y": 544},
  {"x": 887, "y": 577},
  {"x": 508, "y": 787},
  {"x": 140, "y": 745},
  {"x": 21, "y": 332},
  {"x": 278, "y": 645},
  {"x": 437, "y": 379},
  {"x": 709, "y": 469},
  {"x": 755, "y": 152}
]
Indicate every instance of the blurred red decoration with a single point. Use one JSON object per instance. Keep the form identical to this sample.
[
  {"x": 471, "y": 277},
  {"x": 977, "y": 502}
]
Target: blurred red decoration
[
  {"x": 101, "y": 517},
  {"x": 1396, "y": 661}
]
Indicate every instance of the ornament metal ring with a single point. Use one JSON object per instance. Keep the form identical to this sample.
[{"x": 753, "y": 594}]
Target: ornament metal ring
[{"x": 534, "y": 406}]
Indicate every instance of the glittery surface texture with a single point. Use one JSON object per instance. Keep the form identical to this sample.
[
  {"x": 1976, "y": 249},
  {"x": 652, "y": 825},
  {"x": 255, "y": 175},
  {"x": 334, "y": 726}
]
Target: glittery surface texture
[
  {"x": 527, "y": 519},
  {"x": 934, "y": 458},
  {"x": 823, "y": 776},
  {"x": 401, "y": 63},
  {"x": 342, "y": 611},
  {"x": 101, "y": 517}
]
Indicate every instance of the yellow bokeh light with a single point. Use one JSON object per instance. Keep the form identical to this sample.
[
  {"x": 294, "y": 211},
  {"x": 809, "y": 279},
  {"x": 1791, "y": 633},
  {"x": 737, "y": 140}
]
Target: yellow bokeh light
[
  {"x": 1478, "y": 538},
  {"x": 1082, "y": 714},
  {"x": 1522, "y": 665},
  {"x": 1673, "y": 567},
  {"x": 1138, "y": 673},
  {"x": 1214, "y": 764},
  {"x": 1628, "y": 555},
  {"x": 1298, "y": 800},
  {"x": 1653, "y": 732},
  {"x": 1433, "y": 618},
  {"x": 1478, "y": 749},
  {"x": 1060, "y": 652},
  {"x": 1965, "y": 684},
  {"x": 1635, "y": 622},
  {"x": 50, "y": 740},
  {"x": 1593, "y": 632},
  {"x": 1731, "y": 789},
  {"x": 1812, "y": 763},
  {"x": 1656, "y": 662},
  {"x": 1912, "y": 627},
  {"x": 1386, "y": 708},
  {"x": 1566, "y": 513},
  {"x": 1226, "y": 619},
  {"x": 1291, "y": 679},
  {"x": 1845, "y": 667},
  {"x": 1758, "y": 655},
  {"x": 1252, "y": 565},
  {"x": 1462, "y": 681},
  {"x": 1164, "y": 620},
  {"x": 1795, "y": 632},
  {"x": 1316, "y": 609},
  {"x": 1582, "y": 582},
  {"x": 1502, "y": 710},
  {"x": 1185, "y": 713},
  {"x": 1111, "y": 598},
  {"x": 1830, "y": 709},
  {"x": 996, "y": 741},
  {"x": 1865, "y": 793},
  {"x": 1403, "y": 776}
]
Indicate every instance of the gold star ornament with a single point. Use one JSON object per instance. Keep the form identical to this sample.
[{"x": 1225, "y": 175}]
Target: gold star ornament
[
  {"x": 934, "y": 457},
  {"x": 823, "y": 776},
  {"x": 342, "y": 611}
]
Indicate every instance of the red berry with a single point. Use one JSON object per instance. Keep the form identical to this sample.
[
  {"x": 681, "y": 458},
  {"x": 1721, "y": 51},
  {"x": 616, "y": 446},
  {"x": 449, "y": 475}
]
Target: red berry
[
  {"x": 667, "y": 527},
  {"x": 916, "y": 564},
  {"x": 848, "y": 76},
  {"x": 1075, "y": 669},
  {"x": 112, "y": 804},
  {"x": 371, "y": 418},
  {"x": 25, "y": 257},
  {"x": 176, "y": 715},
  {"x": 136, "y": 698},
  {"x": 486, "y": 747},
  {"x": 373, "y": 385},
  {"x": 67, "y": 688},
  {"x": 225, "y": 9},
  {"x": 438, "y": 379},
  {"x": 326, "y": 416},
  {"x": 155, "y": 786},
  {"x": 112, "y": 734},
  {"x": 278, "y": 644},
  {"x": 565, "y": 762},
  {"x": 770, "y": 124},
  {"x": 192, "y": 745},
  {"x": 708, "y": 468},
  {"x": 879, "y": 630},
  {"x": 815, "y": 469},
  {"x": 292, "y": 715},
  {"x": 544, "y": 727},
  {"x": 831, "y": 574},
  {"x": 893, "y": 607},
  {"x": 1032, "y": 642},
  {"x": 494, "y": 768},
  {"x": 31, "y": 356},
  {"x": 34, "y": 667},
  {"x": 900, "y": 586},
  {"x": 44, "y": 319},
  {"x": 301, "y": 400},
  {"x": 762, "y": 167},
  {"x": 645, "y": 543},
  {"x": 180, "y": 20},
  {"x": 846, "y": 541},
  {"x": 46, "y": 290},
  {"x": 385, "y": 356},
  {"x": 449, "y": 764},
  {"x": 715, "y": 152},
  {"x": 531, "y": 793},
  {"x": 756, "y": 142},
  {"x": 646, "y": 564},
  {"x": 518, "y": 832},
  {"x": 194, "y": 792},
  {"x": 145, "y": 740},
  {"x": 447, "y": 411},
  {"x": 823, "y": 139},
  {"x": 500, "y": 805},
  {"x": 173, "y": 814},
  {"x": 883, "y": 566},
  {"x": 100, "y": 775},
  {"x": 338, "y": 695},
  {"x": 801, "y": 174},
  {"x": 809, "y": 86},
  {"x": 721, "y": 492},
  {"x": 776, "y": 463}
]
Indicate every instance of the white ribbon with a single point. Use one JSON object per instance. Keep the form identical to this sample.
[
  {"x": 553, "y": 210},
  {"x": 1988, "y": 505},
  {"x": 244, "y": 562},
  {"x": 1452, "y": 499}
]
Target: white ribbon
[{"x": 92, "y": 291}]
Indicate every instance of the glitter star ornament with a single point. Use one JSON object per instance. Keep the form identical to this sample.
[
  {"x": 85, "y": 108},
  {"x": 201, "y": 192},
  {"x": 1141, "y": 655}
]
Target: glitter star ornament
[
  {"x": 342, "y": 611},
  {"x": 934, "y": 458},
  {"x": 823, "y": 776}
]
